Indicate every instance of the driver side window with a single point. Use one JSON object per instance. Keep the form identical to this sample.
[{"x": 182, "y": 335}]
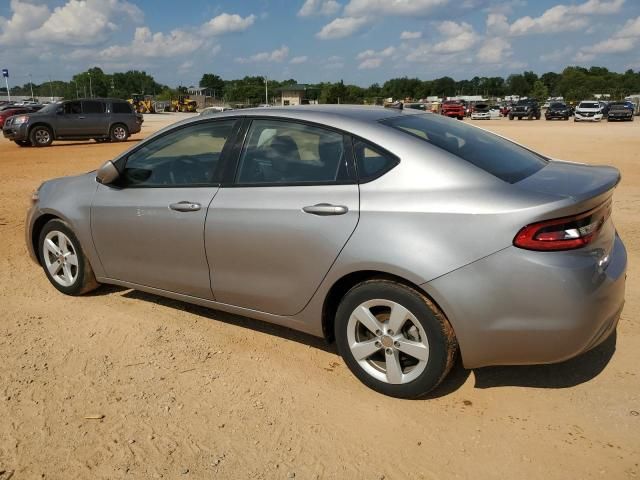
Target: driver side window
[{"x": 188, "y": 156}]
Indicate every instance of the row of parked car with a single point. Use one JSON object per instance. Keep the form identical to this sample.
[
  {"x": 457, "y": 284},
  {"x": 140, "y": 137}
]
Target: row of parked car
[
  {"x": 101, "y": 119},
  {"x": 588, "y": 110}
]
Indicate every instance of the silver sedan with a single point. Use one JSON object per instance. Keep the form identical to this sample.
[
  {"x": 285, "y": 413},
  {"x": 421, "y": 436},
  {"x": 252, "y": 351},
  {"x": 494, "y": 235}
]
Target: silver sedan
[{"x": 404, "y": 236}]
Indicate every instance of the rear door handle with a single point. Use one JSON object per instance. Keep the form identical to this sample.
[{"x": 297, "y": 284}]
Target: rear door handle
[
  {"x": 82, "y": 118},
  {"x": 324, "y": 209},
  {"x": 185, "y": 206}
]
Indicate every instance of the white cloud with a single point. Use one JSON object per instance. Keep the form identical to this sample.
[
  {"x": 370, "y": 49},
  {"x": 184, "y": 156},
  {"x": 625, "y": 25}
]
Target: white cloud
[
  {"x": 356, "y": 8},
  {"x": 410, "y": 35},
  {"x": 387, "y": 52},
  {"x": 370, "y": 63},
  {"x": 76, "y": 23},
  {"x": 342, "y": 27},
  {"x": 629, "y": 29},
  {"x": 624, "y": 40},
  {"x": 494, "y": 50},
  {"x": 611, "y": 45},
  {"x": 459, "y": 37},
  {"x": 562, "y": 18},
  {"x": 319, "y": 7},
  {"x": 298, "y": 60},
  {"x": 278, "y": 55},
  {"x": 227, "y": 23},
  {"x": 155, "y": 45},
  {"x": 497, "y": 23}
]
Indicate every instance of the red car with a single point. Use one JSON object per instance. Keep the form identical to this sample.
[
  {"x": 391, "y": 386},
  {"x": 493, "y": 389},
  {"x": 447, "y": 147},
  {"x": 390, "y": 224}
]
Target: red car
[
  {"x": 453, "y": 109},
  {"x": 4, "y": 114}
]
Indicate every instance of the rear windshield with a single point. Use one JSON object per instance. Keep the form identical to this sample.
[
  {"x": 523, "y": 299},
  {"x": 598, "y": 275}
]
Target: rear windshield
[{"x": 491, "y": 153}]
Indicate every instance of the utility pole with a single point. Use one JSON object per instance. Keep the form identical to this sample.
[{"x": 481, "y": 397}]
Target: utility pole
[
  {"x": 90, "y": 88},
  {"x": 77, "y": 93},
  {"x": 266, "y": 91},
  {"x": 31, "y": 85},
  {"x": 50, "y": 88}
]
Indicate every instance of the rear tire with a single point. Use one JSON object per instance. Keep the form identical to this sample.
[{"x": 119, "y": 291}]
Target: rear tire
[
  {"x": 64, "y": 261},
  {"x": 510, "y": 117},
  {"x": 41, "y": 136},
  {"x": 394, "y": 339},
  {"x": 119, "y": 133}
]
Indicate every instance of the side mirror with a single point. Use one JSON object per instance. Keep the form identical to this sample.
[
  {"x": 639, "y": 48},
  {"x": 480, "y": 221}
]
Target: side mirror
[
  {"x": 107, "y": 173},
  {"x": 60, "y": 111}
]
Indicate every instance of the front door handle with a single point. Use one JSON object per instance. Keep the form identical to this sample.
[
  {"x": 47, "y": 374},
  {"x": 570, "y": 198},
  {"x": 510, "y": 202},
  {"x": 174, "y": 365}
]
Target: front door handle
[
  {"x": 324, "y": 209},
  {"x": 82, "y": 118},
  {"x": 185, "y": 206}
]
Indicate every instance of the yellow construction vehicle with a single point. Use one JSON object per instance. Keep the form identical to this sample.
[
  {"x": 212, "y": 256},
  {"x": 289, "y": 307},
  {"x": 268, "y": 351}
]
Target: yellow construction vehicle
[
  {"x": 183, "y": 104},
  {"x": 142, "y": 103}
]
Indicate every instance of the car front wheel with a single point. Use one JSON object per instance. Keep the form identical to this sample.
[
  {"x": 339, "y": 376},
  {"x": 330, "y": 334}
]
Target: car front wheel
[
  {"x": 41, "y": 136},
  {"x": 23, "y": 143},
  {"x": 63, "y": 260},
  {"x": 394, "y": 339}
]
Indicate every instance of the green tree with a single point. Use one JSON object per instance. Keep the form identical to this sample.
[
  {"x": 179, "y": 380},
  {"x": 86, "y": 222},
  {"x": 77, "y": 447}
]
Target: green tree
[{"x": 540, "y": 91}]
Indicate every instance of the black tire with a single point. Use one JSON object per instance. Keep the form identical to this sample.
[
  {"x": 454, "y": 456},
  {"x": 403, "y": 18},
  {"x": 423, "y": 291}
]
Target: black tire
[
  {"x": 119, "y": 133},
  {"x": 101, "y": 140},
  {"x": 538, "y": 117},
  {"x": 85, "y": 280},
  {"x": 519, "y": 118},
  {"x": 440, "y": 337},
  {"x": 460, "y": 118},
  {"x": 510, "y": 117},
  {"x": 41, "y": 136},
  {"x": 23, "y": 143}
]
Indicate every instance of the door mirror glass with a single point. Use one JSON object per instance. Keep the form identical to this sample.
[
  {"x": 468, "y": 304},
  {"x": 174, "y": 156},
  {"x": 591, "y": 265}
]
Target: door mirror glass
[
  {"x": 60, "y": 110},
  {"x": 107, "y": 173}
]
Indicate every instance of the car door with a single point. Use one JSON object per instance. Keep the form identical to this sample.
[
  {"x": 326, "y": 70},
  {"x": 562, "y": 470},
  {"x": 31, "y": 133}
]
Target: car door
[
  {"x": 148, "y": 227},
  {"x": 96, "y": 119},
  {"x": 69, "y": 119},
  {"x": 272, "y": 235}
]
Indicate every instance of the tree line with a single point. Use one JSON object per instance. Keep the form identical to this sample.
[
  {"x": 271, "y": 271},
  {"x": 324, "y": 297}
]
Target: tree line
[{"x": 573, "y": 83}]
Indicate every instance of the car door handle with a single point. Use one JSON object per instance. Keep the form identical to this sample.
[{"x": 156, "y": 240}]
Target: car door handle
[
  {"x": 185, "y": 206},
  {"x": 82, "y": 118},
  {"x": 324, "y": 209}
]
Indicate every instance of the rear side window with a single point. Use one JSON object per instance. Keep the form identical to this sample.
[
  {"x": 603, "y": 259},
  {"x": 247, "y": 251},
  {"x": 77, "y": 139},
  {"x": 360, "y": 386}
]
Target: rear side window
[
  {"x": 491, "y": 153},
  {"x": 91, "y": 107},
  {"x": 121, "y": 107},
  {"x": 371, "y": 162}
]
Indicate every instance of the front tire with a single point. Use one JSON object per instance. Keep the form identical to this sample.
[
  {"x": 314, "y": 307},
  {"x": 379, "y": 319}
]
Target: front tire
[
  {"x": 23, "y": 143},
  {"x": 41, "y": 136},
  {"x": 394, "y": 339},
  {"x": 119, "y": 133},
  {"x": 64, "y": 261}
]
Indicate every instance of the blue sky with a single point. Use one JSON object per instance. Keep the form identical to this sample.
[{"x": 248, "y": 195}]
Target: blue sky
[{"x": 360, "y": 41}]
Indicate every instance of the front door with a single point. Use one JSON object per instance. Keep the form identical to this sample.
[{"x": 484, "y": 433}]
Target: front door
[
  {"x": 71, "y": 120},
  {"x": 273, "y": 235},
  {"x": 149, "y": 228}
]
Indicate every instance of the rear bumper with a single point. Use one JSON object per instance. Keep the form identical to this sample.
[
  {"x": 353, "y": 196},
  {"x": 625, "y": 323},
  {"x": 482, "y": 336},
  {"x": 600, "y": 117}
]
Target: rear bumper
[{"x": 518, "y": 307}]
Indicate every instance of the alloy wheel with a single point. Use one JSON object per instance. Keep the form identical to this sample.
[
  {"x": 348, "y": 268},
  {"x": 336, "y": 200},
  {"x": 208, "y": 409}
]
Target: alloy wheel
[
  {"x": 387, "y": 341},
  {"x": 60, "y": 258}
]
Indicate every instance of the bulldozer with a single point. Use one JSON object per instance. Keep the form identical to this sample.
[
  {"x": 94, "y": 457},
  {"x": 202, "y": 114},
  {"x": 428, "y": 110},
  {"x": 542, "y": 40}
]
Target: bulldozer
[
  {"x": 183, "y": 104},
  {"x": 142, "y": 103}
]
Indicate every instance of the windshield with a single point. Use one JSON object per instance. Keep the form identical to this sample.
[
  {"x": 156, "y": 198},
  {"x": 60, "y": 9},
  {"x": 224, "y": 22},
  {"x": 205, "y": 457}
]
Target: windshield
[
  {"x": 50, "y": 108},
  {"x": 619, "y": 106},
  {"x": 491, "y": 153},
  {"x": 558, "y": 105},
  {"x": 589, "y": 105},
  {"x": 524, "y": 102}
]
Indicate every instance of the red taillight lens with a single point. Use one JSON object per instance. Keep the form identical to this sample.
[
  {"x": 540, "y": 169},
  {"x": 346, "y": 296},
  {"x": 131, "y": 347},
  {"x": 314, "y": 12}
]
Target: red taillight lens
[{"x": 564, "y": 233}]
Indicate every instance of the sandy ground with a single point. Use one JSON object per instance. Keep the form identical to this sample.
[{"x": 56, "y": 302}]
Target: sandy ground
[{"x": 188, "y": 392}]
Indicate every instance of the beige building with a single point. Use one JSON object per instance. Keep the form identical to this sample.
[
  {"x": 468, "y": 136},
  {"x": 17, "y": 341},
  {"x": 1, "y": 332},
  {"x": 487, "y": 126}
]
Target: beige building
[{"x": 295, "y": 94}]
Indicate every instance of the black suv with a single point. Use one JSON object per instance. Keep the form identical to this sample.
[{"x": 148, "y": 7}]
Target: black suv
[
  {"x": 557, "y": 110},
  {"x": 525, "y": 109},
  {"x": 620, "y": 111},
  {"x": 103, "y": 119}
]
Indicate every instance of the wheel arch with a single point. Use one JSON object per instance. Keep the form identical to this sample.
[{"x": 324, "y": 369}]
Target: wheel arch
[
  {"x": 41, "y": 124},
  {"x": 38, "y": 225},
  {"x": 341, "y": 286}
]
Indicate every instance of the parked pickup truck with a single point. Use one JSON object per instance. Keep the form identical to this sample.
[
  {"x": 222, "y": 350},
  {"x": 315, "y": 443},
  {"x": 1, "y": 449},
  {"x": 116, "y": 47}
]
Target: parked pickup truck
[
  {"x": 525, "y": 109},
  {"x": 451, "y": 108}
]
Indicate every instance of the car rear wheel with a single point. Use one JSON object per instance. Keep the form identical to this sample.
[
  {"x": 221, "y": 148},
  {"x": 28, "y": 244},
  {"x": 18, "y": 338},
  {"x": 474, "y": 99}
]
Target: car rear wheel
[
  {"x": 23, "y": 143},
  {"x": 41, "y": 136},
  {"x": 510, "y": 117},
  {"x": 63, "y": 260},
  {"x": 394, "y": 339},
  {"x": 119, "y": 133}
]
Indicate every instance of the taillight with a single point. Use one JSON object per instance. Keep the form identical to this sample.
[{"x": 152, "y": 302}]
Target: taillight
[{"x": 564, "y": 233}]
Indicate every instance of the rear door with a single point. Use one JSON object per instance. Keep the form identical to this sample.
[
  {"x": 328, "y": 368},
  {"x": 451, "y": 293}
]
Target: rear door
[
  {"x": 273, "y": 233},
  {"x": 96, "y": 119}
]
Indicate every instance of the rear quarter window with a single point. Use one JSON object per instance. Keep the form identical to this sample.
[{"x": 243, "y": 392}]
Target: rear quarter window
[
  {"x": 371, "y": 161},
  {"x": 491, "y": 153},
  {"x": 121, "y": 107}
]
